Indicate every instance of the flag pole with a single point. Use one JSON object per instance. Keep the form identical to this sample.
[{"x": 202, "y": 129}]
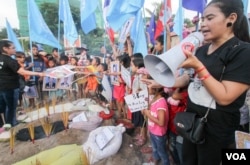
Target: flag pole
[
  {"x": 104, "y": 41},
  {"x": 197, "y": 24},
  {"x": 165, "y": 20},
  {"x": 59, "y": 29},
  {"x": 30, "y": 41}
]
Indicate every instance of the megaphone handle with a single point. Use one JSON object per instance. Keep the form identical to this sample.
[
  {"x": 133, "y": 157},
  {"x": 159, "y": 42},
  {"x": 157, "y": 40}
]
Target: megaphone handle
[{"x": 188, "y": 46}]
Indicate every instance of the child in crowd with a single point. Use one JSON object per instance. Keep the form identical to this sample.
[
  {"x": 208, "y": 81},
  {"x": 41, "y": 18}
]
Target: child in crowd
[
  {"x": 177, "y": 103},
  {"x": 63, "y": 60},
  {"x": 137, "y": 118},
  {"x": 158, "y": 118},
  {"x": 92, "y": 82},
  {"x": 20, "y": 57},
  {"x": 51, "y": 62},
  {"x": 74, "y": 62},
  {"x": 119, "y": 89},
  {"x": 159, "y": 42},
  {"x": 128, "y": 89},
  {"x": 36, "y": 83},
  {"x": 52, "y": 94},
  {"x": 108, "y": 61},
  {"x": 101, "y": 70}
]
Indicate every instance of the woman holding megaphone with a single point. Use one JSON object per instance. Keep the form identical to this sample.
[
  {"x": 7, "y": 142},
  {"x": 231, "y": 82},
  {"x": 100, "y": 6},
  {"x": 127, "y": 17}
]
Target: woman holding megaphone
[{"x": 222, "y": 74}]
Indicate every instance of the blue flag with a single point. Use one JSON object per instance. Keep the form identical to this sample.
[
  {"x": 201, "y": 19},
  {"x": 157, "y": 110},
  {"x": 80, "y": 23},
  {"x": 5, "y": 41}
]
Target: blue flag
[
  {"x": 179, "y": 21},
  {"x": 120, "y": 11},
  {"x": 137, "y": 34},
  {"x": 151, "y": 29},
  {"x": 88, "y": 21},
  {"x": 38, "y": 29},
  {"x": 195, "y": 5},
  {"x": 70, "y": 32},
  {"x": 12, "y": 37}
]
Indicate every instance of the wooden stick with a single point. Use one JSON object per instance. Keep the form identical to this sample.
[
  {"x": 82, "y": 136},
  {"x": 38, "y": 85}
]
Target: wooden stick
[
  {"x": 47, "y": 126},
  {"x": 47, "y": 108},
  {"x": 54, "y": 99},
  {"x": 145, "y": 119},
  {"x": 65, "y": 117},
  {"x": 12, "y": 140},
  {"x": 32, "y": 132}
]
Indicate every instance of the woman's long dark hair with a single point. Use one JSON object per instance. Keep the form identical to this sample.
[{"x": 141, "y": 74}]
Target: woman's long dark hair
[
  {"x": 240, "y": 27},
  {"x": 4, "y": 43}
]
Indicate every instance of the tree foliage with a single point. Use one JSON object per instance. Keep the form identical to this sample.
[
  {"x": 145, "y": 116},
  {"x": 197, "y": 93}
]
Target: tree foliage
[
  {"x": 156, "y": 11},
  {"x": 3, "y": 33},
  {"x": 50, "y": 14}
]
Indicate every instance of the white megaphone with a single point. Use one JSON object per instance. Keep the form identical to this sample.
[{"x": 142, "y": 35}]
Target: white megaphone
[{"x": 162, "y": 68}]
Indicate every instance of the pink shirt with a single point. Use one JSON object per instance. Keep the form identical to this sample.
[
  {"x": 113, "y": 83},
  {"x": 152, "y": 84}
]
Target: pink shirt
[{"x": 160, "y": 104}]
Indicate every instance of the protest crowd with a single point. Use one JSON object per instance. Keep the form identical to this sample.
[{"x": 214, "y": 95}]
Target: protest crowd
[{"x": 214, "y": 76}]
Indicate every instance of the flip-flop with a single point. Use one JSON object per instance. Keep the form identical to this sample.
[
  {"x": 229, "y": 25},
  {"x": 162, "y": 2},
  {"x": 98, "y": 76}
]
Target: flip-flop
[
  {"x": 137, "y": 137},
  {"x": 146, "y": 149},
  {"x": 2, "y": 129},
  {"x": 140, "y": 142}
]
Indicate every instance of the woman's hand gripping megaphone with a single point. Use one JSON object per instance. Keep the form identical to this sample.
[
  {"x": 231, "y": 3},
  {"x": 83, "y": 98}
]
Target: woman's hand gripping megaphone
[{"x": 192, "y": 61}]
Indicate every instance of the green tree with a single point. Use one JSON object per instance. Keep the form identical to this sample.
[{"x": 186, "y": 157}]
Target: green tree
[
  {"x": 188, "y": 22},
  {"x": 3, "y": 33},
  {"x": 156, "y": 11}
]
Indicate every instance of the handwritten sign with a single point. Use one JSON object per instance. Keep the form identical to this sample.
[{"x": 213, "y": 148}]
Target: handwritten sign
[
  {"x": 126, "y": 76},
  {"x": 79, "y": 118},
  {"x": 107, "y": 91},
  {"x": 125, "y": 30},
  {"x": 115, "y": 68},
  {"x": 137, "y": 101},
  {"x": 103, "y": 138}
]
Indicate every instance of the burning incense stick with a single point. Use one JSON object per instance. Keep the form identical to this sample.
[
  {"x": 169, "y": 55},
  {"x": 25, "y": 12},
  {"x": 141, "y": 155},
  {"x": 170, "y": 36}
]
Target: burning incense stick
[
  {"x": 32, "y": 132},
  {"x": 54, "y": 99},
  {"x": 65, "y": 117},
  {"x": 47, "y": 107},
  {"x": 84, "y": 158},
  {"x": 47, "y": 126},
  {"x": 29, "y": 112},
  {"x": 12, "y": 140}
]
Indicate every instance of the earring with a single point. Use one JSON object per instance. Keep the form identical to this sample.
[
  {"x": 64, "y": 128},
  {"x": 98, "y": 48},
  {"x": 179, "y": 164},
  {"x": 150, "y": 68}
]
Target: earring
[{"x": 229, "y": 24}]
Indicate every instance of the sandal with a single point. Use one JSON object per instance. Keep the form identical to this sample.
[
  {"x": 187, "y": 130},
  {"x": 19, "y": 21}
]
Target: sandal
[
  {"x": 146, "y": 149},
  {"x": 21, "y": 112},
  {"x": 2, "y": 129},
  {"x": 140, "y": 142},
  {"x": 137, "y": 137}
]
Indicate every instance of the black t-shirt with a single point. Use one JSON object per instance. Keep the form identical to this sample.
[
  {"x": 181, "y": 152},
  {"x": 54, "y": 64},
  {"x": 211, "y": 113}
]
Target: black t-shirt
[
  {"x": 234, "y": 55},
  {"x": 9, "y": 78}
]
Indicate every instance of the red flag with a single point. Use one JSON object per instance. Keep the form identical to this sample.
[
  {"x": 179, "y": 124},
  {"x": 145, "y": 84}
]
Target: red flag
[
  {"x": 108, "y": 29},
  {"x": 111, "y": 34},
  {"x": 160, "y": 23}
]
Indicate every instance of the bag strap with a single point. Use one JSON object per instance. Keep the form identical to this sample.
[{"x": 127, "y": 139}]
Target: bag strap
[{"x": 208, "y": 109}]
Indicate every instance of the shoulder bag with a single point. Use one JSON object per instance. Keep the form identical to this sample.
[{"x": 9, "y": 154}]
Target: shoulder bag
[{"x": 190, "y": 126}]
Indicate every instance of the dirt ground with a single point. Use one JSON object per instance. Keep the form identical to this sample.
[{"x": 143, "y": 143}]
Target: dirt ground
[{"x": 24, "y": 149}]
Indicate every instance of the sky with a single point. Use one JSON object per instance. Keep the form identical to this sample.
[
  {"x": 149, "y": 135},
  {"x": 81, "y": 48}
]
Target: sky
[{"x": 8, "y": 10}]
